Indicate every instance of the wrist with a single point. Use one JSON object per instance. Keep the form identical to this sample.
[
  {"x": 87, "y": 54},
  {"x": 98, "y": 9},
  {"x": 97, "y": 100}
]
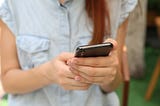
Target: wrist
[
  {"x": 102, "y": 90},
  {"x": 105, "y": 88},
  {"x": 43, "y": 72}
]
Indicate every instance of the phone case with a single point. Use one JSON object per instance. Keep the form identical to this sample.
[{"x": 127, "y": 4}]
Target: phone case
[{"x": 94, "y": 50}]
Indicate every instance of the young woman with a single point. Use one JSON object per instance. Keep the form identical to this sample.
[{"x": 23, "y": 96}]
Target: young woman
[{"x": 38, "y": 41}]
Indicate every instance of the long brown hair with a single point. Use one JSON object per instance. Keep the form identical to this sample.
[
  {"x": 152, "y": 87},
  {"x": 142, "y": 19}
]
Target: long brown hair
[{"x": 98, "y": 12}]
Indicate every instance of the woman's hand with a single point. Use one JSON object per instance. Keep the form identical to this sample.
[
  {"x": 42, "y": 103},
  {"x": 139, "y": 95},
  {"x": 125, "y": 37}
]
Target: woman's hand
[
  {"x": 96, "y": 70},
  {"x": 60, "y": 74}
]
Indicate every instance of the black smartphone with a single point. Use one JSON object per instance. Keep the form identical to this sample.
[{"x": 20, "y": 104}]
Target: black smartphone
[{"x": 94, "y": 50}]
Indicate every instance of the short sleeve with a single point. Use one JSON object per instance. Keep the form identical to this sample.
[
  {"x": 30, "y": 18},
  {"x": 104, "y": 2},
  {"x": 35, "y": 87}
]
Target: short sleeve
[
  {"x": 127, "y": 6},
  {"x": 7, "y": 16}
]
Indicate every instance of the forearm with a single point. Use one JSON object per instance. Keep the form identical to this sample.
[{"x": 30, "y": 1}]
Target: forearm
[
  {"x": 121, "y": 34},
  {"x": 18, "y": 82}
]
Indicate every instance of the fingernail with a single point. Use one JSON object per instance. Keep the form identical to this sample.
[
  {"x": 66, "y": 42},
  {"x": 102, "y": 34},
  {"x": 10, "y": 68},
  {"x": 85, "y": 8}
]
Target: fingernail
[
  {"x": 77, "y": 78},
  {"x": 110, "y": 54},
  {"x": 68, "y": 62}
]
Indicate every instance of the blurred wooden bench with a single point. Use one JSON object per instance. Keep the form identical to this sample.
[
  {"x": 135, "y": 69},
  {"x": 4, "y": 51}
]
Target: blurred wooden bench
[
  {"x": 156, "y": 71},
  {"x": 126, "y": 77}
]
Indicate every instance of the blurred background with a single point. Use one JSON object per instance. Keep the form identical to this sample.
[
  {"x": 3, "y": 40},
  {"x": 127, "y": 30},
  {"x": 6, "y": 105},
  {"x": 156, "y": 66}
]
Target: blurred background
[{"x": 143, "y": 51}]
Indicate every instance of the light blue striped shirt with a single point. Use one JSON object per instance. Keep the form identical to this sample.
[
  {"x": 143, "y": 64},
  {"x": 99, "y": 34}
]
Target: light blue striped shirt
[{"x": 43, "y": 29}]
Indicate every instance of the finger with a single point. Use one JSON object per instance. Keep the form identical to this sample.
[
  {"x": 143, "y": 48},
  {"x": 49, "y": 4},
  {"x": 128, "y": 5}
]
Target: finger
[
  {"x": 67, "y": 72},
  {"x": 96, "y": 80},
  {"x": 72, "y": 82},
  {"x": 115, "y": 44},
  {"x": 94, "y": 76},
  {"x": 68, "y": 87},
  {"x": 65, "y": 56},
  {"x": 96, "y": 61},
  {"x": 74, "y": 71},
  {"x": 89, "y": 79},
  {"x": 91, "y": 71}
]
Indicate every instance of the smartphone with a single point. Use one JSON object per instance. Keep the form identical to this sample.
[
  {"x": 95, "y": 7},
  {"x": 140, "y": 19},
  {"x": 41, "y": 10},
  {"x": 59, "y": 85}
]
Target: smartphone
[{"x": 97, "y": 50}]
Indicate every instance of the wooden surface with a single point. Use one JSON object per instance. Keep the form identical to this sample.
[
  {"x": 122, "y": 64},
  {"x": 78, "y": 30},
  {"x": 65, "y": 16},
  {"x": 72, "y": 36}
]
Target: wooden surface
[
  {"x": 153, "y": 81},
  {"x": 157, "y": 20},
  {"x": 126, "y": 77},
  {"x": 156, "y": 71}
]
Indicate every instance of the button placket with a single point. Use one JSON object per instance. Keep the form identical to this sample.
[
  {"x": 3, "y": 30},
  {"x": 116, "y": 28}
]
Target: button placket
[
  {"x": 65, "y": 25},
  {"x": 65, "y": 32}
]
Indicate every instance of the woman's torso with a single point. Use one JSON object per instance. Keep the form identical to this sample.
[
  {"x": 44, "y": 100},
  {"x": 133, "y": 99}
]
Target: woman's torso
[{"x": 43, "y": 29}]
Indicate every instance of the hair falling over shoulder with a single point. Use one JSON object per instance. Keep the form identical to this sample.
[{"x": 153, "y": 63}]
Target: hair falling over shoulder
[{"x": 98, "y": 12}]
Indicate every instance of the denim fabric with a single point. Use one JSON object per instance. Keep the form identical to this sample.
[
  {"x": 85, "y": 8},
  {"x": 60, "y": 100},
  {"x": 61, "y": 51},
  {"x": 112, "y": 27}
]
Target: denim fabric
[{"x": 45, "y": 28}]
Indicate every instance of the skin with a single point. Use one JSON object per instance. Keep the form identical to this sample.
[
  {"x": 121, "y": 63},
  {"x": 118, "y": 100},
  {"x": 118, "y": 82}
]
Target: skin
[
  {"x": 64, "y": 70},
  {"x": 61, "y": 1},
  {"x": 96, "y": 70},
  {"x": 16, "y": 81}
]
